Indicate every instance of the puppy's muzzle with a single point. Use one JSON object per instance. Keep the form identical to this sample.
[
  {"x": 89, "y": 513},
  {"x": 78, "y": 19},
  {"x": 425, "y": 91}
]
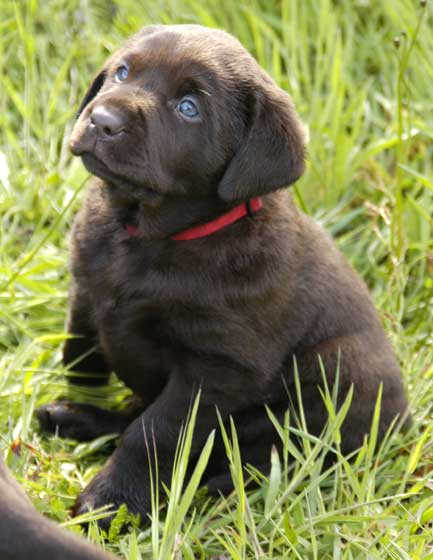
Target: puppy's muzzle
[{"x": 105, "y": 123}]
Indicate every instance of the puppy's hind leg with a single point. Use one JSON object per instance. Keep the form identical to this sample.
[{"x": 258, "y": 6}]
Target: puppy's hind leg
[
  {"x": 256, "y": 436},
  {"x": 223, "y": 483}
]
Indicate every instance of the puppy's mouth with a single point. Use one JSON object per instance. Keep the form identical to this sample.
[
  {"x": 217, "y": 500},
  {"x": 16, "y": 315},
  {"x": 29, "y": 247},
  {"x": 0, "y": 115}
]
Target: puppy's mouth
[
  {"x": 128, "y": 188},
  {"x": 97, "y": 167}
]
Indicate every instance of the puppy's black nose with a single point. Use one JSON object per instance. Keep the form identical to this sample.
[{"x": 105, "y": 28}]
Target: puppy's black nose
[{"x": 107, "y": 121}]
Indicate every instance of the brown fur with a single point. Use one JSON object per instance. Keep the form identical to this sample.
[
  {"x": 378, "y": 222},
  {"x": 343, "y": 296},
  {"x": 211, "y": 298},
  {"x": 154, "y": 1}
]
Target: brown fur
[{"x": 228, "y": 312}]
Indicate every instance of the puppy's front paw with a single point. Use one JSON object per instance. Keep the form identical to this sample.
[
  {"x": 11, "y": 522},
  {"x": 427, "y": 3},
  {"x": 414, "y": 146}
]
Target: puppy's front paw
[
  {"x": 79, "y": 421},
  {"x": 113, "y": 489},
  {"x": 65, "y": 417}
]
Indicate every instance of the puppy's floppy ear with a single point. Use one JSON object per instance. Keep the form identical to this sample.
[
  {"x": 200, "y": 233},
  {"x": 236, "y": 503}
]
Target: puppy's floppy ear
[
  {"x": 272, "y": 152},
  {"x": 93, "y": 91}
]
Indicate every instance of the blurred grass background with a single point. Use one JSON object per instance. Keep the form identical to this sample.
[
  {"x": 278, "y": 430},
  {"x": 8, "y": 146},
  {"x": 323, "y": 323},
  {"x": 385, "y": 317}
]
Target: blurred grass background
[{"x": 361, "y": 76}]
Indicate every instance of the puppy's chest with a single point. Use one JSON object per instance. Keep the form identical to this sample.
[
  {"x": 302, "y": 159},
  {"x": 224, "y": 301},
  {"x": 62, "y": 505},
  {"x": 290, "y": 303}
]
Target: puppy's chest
[
  {"x": 171, "y": 302},
  {"x": 133, "y": 288}
]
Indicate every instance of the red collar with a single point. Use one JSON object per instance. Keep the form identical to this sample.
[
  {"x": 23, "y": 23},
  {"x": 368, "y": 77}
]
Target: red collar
[{"x": 195, "y": 232}]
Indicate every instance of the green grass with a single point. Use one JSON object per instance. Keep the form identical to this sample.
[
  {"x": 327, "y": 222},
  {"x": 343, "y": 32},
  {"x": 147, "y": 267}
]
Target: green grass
[{"x": 368, "y": 105}]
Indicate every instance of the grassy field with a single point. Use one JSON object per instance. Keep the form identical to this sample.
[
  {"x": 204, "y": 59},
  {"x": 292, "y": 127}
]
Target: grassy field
[{"x": 361, "y": 76}]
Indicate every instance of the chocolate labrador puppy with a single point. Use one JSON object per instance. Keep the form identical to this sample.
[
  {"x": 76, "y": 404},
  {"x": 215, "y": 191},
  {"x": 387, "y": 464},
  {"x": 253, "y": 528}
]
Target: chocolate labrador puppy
[{"x": 191, "y": 268}]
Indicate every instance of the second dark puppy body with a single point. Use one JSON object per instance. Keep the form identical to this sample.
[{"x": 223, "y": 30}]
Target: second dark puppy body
[
  {"x": 228, "y": 312},
  {"x": 24, "y": 533}
]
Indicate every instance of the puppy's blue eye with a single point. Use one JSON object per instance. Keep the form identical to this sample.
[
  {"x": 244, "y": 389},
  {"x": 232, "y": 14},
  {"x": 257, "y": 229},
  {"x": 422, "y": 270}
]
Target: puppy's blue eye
[
  {"x": 188, "y": 108},
  {"x": 121, "y": 73}
]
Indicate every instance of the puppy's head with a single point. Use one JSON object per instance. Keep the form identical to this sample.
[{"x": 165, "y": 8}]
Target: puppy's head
[{"x": 186, "y": 111}]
